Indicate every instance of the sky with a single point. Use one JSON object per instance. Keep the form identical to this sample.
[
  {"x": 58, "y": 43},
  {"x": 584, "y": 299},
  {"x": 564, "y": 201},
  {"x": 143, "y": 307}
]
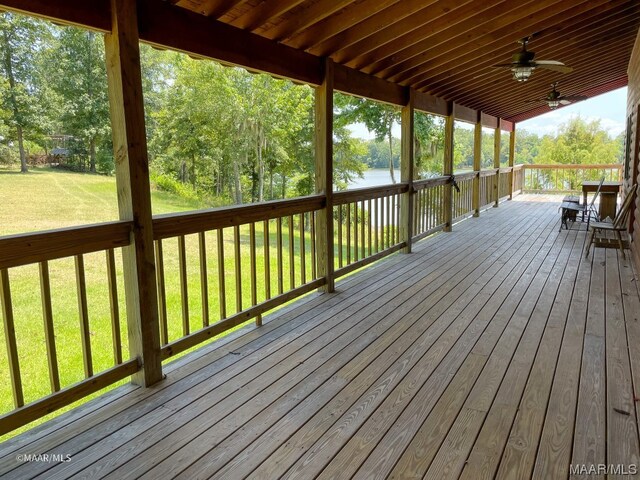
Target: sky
[{"x": 610, "y": 108}]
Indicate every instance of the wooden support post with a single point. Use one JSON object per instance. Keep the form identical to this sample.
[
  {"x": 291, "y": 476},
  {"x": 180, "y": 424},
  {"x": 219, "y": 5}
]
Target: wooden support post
[
  {"x": 512, "y": 155},
  {"x": 447, "y": 204},
  {"x": 406, "y": 172},
  {"x": 496, "y": 165},
  {"x": 324, "y": 176},
  {"x": 477, "y": 166},
  {"x": 134, "y": 195}
]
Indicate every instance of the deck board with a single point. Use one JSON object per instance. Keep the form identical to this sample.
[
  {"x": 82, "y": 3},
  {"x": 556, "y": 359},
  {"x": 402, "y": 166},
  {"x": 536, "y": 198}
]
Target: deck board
[{"x": 494, "y": 351}]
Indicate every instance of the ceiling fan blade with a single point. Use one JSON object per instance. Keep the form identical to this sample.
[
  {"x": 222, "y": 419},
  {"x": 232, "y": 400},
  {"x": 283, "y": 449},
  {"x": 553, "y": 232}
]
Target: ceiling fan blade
[
  {"x": 548, "y": 62},
  {"x": 556, "y": 68},
  {"x": 536, "y": 100},
  {"x": 504, "y": 65},
  {"x": 574, "y": 98},
  {"x": 564, "y": 101}
]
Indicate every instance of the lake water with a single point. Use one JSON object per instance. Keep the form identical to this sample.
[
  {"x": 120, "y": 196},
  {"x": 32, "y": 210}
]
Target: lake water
[{"x": 374, "y": 177}]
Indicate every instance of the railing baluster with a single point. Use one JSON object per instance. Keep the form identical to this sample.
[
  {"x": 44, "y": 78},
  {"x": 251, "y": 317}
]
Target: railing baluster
[
  {"x": 254, "y": 270},
  {"x": 369, "y": 220},
  {"x": 83, "y": 312},
  {"x": 348, "y": 233},
  {"x": 10, "y": 339},
  {"x": 279, "y": 239},
  {"x": 292, "y": 263},
  {"x": 362, "y": 231},
  {"x": 184, "y": 292},
  {"x": 313, "y": 245},
  {"x": 356, "y": 252},
  {"x": 376, "y": 227},
  {"x": 49, "y": 334},
  {"x": 267, "y": 260},
  {"x": 388, "y": 221},
  {"x": 204, "y": 279},
  {"x": 303, "y": 253},
  {"x": 222, "y": 294},
  {"x": 162, "y": 296},
  {"x": 112, "y": 281},
  {"x": 340, "y": 259},
  {"x": 238, "y": 267}
]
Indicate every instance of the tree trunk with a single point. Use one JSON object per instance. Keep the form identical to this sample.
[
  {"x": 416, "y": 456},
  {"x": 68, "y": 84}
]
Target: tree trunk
[
  {"x": 260, "y": 174},
  {"x": 92, "y": 155},
  {"x": 8, "y": 65},
  {"x": 23, "y": 156},
  {"x": 393, "y": 177},
  {"x": 237, "y": 183},
  {"x": 193, "y": 171},
  {"x": 183, "y": 171}
]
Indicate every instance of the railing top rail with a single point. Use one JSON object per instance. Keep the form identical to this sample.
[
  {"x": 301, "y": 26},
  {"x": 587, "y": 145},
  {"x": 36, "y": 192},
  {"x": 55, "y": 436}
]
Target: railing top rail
[
  {"x": 431, "y": 182},
  {"x": 465, "y": 176},
  {"x": 572, "y": 166},
  {"x": 175, "y": 224},
  {"x": 368, "y": 193},
  {"x": 27, "y": 248}
]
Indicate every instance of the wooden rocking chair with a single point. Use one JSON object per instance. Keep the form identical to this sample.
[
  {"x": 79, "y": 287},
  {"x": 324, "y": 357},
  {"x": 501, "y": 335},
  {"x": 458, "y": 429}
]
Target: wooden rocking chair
[{"x": 618, "y": 226}]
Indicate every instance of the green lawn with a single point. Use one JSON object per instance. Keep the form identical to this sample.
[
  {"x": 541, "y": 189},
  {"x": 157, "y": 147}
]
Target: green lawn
[{"x": 44, "y": 199}]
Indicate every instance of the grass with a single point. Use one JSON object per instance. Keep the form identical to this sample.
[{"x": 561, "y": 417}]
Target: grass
[{"x": 46, "y": 199}]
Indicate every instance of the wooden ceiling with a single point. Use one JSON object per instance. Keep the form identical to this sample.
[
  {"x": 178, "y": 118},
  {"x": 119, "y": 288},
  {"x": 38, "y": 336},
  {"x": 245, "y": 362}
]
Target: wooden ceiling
[{"x": 447, "y": 47}]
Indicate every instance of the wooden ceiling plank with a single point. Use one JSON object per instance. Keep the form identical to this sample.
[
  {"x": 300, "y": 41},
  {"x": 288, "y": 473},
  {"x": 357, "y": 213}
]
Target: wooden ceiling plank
[
  {"x": 490, "y": 42},
  {"x": 264, "y": 12},
  {"x": 433, "y": 17},
  {"x": 582, "y": 30},
  {"x": 352, "y": 14},
  {"x": 503, "y": 86},
  {"x": 512, "y": 97},
  {"x": 313, "y": 14},
  {"x": 217, "y": 8},
  {"x": 401, "y": 60},
  {"x": 610, "y": 78},
  {"x": 368, "y": 27},
  {"x": 497, "y": 78},
  {"x": 460, "y": 21},
  {"x": 455, "y": 81}
]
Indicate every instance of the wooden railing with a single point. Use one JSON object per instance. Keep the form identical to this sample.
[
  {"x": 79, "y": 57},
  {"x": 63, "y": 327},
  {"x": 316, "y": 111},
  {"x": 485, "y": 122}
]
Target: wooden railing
[
  {"x": 44, "y": 251},
  {"x": 429, "y": 198},
  {"x": 486, "y": 188},
  {"x": 253, "y": 257},
  {"x": 505, "y": 179},
  {"x": 565, "y": 178},
  {"x": 463, "y": 199},
  {"x": 518, "y": 179},
  {"x": 366, "y": 226}
]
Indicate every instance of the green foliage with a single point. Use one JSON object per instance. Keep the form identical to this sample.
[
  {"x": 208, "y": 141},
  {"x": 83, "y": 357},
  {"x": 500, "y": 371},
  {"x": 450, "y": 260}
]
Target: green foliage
[
  {"x": 428, "y": 145},
  {"x": 580, "y": 142}
]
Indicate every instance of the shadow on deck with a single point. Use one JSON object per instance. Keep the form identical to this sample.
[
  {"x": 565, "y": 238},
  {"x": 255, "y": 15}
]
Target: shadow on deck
[{"x": 495, "y": 351}]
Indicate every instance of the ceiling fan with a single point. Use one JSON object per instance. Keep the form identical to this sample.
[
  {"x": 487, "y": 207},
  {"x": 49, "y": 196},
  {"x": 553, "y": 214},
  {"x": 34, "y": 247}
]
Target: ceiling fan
[
  {"x": 523, "y": 64},
  {"x": 554, "y": 99}
]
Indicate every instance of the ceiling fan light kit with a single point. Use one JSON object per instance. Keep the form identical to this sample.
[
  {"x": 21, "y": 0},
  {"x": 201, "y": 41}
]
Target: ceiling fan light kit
[{"x": 522, "y": 73}]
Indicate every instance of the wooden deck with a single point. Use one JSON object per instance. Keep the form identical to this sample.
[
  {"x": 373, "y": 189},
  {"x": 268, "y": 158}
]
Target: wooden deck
[{"x": 495, "y": 351}]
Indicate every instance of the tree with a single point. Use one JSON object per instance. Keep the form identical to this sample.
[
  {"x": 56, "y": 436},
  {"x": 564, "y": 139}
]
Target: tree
[
  {"x": 19, "y": 40},
  {"x": 379, "y": 119},
  {"x": 77, "y": 70},
  {"x": 428, "y": 145}
]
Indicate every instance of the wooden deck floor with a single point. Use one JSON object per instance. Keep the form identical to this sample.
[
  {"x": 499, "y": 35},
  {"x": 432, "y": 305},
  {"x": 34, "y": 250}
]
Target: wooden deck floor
[{"x": 495, "y": 351}]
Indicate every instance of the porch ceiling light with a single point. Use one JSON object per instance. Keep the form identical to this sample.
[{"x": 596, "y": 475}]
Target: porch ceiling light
[
  {"x": 522, "y": 72},
  {"x": 553, "y": 104}
]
